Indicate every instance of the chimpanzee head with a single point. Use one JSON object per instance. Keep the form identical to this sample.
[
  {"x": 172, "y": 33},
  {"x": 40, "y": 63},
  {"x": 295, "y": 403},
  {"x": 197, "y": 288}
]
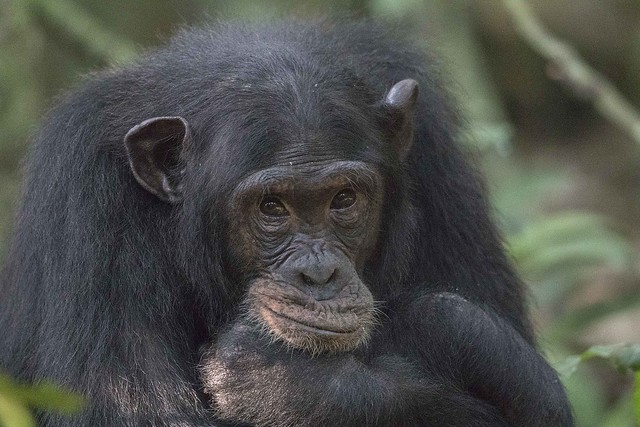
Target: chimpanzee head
[{"x": 303, "y": 221}]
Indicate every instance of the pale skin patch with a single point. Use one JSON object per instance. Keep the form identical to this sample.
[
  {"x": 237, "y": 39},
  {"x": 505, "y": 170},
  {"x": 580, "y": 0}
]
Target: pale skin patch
[{"x": 342, "y": 323}]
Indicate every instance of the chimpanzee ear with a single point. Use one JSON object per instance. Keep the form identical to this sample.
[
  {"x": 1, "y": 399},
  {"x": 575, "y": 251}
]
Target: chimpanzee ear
[
  {"x": 399, "y": 108},
  {"x": 154, "y": 147}
]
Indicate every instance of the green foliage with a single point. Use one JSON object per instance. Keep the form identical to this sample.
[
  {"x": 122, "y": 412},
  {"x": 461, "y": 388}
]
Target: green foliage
[
  {"x": 623, "y": 357},
  {"x": 558, "y": 254},
  {"x": 559, "y": 250},
  {"x": 16, "y": 400},
  {"x": 581, "y": 238},
  {"x": 636, "y": 396}
]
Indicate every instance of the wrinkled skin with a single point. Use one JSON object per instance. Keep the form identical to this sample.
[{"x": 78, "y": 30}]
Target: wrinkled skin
[{"x": 306, "y": 241}]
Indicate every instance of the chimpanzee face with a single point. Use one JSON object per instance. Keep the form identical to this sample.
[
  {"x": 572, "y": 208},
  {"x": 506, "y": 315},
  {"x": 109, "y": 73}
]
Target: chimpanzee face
[
  {"x": 305, "y": 231},
  {"x": 300, "y": 228}
]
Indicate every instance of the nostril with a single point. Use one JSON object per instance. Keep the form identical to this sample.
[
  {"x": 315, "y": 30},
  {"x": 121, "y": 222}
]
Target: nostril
[
  {"x": 307, "y": 280},
  {"x": 332, "y": 277}
]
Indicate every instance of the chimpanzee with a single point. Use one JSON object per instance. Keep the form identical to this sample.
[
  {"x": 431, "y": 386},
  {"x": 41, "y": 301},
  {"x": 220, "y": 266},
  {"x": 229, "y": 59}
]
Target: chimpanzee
[{"x": 290, "y": 198}]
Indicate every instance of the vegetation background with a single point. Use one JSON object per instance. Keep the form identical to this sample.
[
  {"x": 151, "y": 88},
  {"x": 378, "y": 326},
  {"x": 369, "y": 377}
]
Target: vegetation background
[{"x": 563, "y": 168}]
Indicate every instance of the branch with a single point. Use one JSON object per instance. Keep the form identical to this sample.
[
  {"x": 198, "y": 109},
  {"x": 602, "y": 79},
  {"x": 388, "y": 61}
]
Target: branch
[{"x": 568, "y": 67}]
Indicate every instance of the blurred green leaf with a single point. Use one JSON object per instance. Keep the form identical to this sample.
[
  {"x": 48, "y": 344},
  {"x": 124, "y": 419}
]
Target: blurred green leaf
[
  {"x": 588, "y": 402},
  {"x": 623, "y": 356},
  {"x": 569, "y": 236},
  {"x": 50, "y": 397},
  {"x": 45, "y": 396},
  {"x": 484, "y": 136},
  {"x": 559, "y": 250},
  {"x": 568, "y": 366},
  {"x": 13, "y": 413},
  {"x": 636, "y": 396},
  {"x": 569, "y": 323}
]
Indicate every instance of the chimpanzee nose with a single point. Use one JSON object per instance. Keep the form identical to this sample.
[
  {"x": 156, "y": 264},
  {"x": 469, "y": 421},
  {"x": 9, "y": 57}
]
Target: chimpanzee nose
[
  {"x": 320, "y": 280},
  {"x": 318, "y": 274}
]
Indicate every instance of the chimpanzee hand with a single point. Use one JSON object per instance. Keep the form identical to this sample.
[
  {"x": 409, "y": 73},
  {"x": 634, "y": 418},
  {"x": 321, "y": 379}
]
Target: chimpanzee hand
[{"x": 256, "y": 380}]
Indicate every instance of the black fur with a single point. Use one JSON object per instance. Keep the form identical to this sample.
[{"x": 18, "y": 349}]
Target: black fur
[
  {"x": 111, "y": 291},
  {"x": 437, "y": 360}
]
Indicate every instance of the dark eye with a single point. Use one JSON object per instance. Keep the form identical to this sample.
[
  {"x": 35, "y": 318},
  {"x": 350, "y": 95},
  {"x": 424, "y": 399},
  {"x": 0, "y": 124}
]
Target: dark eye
[
  {"x": 344, "y": 199},
  {"x": 272, "y": 206}
]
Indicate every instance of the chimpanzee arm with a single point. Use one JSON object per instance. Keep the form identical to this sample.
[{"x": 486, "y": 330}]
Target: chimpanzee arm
[
  {"x": 481, "y": 353},
  {"x": 441, "y": 361},
  {"x": 256, "y": 381}
]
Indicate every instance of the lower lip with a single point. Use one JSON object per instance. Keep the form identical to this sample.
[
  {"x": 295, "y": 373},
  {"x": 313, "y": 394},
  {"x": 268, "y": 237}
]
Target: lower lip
[{"x": 310, "y": 328}]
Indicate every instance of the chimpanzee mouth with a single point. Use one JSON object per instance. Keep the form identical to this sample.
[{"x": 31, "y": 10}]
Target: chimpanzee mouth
[
  {"x": 315, "y": 328},
  {"x": 341, "y": 324}
]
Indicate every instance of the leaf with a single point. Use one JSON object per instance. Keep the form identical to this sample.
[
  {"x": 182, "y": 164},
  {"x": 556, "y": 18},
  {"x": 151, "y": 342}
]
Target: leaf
[
  {"x": 565, "y": 326},
  {"x": 51, "y": 397},
  {"x": 629, "y": 357},
  {"x": 45, "y": 395},
  {"x": 14, "y": 414},
  {"x": 558, "y": 228},
  {"x": 569, "y": 238},
  {"x": 604, "y": 351},
  {"x": 636, "y": 397},
  {"x": 623, "y": 356},
  {"x": 568, "y": 366},
  {"x": 559, "y": 251}
]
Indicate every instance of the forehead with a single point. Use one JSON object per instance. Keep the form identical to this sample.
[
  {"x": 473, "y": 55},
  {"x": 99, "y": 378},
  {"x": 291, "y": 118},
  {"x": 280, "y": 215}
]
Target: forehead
[{"x": 311, "y": 176}]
